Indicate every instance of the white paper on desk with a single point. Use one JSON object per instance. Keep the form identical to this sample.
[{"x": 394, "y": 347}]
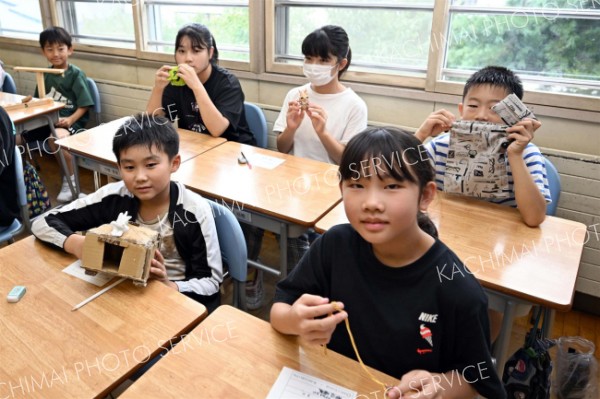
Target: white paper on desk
[
  {"x": 292, "y": 384},
  {"x": 264, "y": 161},
  {"x": 75, "y": 269}
]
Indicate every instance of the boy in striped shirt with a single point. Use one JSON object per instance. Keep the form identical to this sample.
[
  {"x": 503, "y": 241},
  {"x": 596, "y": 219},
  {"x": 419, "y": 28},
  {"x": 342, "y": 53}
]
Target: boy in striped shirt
[{"x": 525, "y": 164}]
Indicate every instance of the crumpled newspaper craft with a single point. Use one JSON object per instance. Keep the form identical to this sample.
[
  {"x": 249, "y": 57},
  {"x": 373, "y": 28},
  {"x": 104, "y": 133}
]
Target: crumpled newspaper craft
[
  {"x": 476, "y": 163},
  {"x": 511, "y": 110}
]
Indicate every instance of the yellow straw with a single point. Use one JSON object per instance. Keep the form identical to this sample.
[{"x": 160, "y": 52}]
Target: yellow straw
[{"x": 337, "y": 309}]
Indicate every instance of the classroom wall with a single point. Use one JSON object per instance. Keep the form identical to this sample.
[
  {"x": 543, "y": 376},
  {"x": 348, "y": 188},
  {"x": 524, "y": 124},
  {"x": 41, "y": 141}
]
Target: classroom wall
[{"x": 570, "y": 139}]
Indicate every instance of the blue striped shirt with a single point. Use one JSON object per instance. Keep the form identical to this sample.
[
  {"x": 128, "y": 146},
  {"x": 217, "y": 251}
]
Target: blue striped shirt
[{"x": 437, "y": 149}]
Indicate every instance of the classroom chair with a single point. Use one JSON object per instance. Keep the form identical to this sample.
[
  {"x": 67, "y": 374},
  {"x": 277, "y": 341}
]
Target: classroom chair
[
  {"x": 554, "y": 187},
  {"x": 257, "y": 123},
  {"x": 97, "y": 108},
  {"x": 9, "y": 86},
  {"x": 7, "y": 234},
  {"x": 233, "y": 250},
  {"x": 40, "y": 146}
]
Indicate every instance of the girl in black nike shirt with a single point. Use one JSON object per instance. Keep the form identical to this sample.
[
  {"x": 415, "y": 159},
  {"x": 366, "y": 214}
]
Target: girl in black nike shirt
[{"x": 382, "y": 270}]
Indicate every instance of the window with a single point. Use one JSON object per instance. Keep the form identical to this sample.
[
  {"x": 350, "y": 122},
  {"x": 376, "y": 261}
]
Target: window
[
  {"x": 106, "y": 23},
  {"x": 21, "y": 19},
  {"x": 552, "y": 44},
  {"x": 377, "y": 30},
  {"x": 228, "y": 21}
]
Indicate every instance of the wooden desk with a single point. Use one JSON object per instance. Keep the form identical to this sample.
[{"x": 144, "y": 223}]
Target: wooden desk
[
  {"x": 92, "y": 149},
  {"x": 287, "y": 200},
  {"x": 516, "y": 263},
  {"x": 235, "y": 355},
  {"x": 48, "y": 351},
  {"x": 35, "y": 117}
]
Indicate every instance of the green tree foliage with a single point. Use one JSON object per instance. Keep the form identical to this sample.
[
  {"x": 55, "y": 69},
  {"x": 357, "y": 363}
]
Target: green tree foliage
[
  {"x": 544, "y": 44},
  {"x": 394, "y": 38}
]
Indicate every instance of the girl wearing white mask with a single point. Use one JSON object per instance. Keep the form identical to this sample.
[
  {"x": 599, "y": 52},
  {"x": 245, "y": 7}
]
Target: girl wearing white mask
[{"x": 335, "y": 113}]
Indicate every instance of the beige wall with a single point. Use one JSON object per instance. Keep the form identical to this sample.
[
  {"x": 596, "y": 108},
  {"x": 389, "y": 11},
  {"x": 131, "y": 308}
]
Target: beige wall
[{"x": 565, "y": 130}]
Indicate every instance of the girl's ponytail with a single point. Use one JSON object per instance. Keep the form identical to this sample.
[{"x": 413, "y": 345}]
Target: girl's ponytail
[{"x": 427, "y": 224}]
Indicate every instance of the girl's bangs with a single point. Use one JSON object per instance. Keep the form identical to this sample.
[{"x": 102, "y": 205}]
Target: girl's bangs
[
  {"x": 194, "y": 35},
  {"x": 376, "y": 152},
  {"x": 317, "y": 44}
]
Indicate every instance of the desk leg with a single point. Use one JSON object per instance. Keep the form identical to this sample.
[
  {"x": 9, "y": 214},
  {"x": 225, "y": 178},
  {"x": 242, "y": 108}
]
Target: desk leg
[
  {"x": 76, "y": 173},
  {"x": 548, "y": 322},
  {"x": 61, "y": 156},
  {"x": 283, "y": 243},
  {"x": 501, "y": 345}
]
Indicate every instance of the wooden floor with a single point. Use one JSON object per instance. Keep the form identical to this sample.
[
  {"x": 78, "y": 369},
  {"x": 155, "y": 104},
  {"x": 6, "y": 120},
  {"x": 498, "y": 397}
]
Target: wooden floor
[{"x": 573, "y": 323}]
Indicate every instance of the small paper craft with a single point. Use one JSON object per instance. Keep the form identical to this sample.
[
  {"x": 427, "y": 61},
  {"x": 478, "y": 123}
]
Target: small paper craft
[
  {"x": 120, "y": 225},
  {"x": 75, "y": 270},
  {"x": 264, "y": 161},
  {"x": 512, "y": 110},
  {"x": 174, "y": 78},
  {"x": 292, "y": 384},
  {"x": 303, "y": 99}
]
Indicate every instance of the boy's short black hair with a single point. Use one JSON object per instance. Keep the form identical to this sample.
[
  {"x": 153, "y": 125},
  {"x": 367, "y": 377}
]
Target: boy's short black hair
[
  {"x": 55, "y": 34},
  {"x": 496, "y": 76},
  {"x": 148, "y": 130}
]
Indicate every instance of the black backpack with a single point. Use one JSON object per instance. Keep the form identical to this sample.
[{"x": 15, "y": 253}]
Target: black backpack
[{"x": 527, "y": 372}]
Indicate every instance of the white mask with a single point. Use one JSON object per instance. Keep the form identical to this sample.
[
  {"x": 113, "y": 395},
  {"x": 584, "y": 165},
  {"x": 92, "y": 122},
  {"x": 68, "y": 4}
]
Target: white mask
[{"x": 318, "y": 75}]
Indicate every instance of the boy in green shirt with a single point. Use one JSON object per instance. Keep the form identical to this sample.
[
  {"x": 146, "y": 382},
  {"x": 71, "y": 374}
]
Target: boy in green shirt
[{"x": 69, "y": 88}]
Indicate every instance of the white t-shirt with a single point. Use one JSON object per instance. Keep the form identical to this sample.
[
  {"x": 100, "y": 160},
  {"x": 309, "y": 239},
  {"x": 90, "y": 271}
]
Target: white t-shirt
[
  {"x": 174, "y": 264},
  {"x": 346, "y": 116}
]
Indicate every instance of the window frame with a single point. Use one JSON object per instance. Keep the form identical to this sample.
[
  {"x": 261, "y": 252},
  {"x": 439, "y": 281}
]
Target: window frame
[
  {"x": 262, "y": 67},
  {"x": 351, "y": 75},
  {"x": 433, "y": 82},
  {"x": 59, "y": 20},
  {"x": 574, "y": 101},
  {"x": 145, "y": 29},
  {"x": 141, "y": 32},
  {"x": 28, "y": 42}
]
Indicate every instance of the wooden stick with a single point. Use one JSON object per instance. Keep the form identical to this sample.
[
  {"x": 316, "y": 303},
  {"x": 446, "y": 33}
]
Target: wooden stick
[
  {"x": 97, "y": 294},
  {"x": 39, "y": 76},
  {"x": 43, "y": 70},
  {"x": 29, "y": 104}
]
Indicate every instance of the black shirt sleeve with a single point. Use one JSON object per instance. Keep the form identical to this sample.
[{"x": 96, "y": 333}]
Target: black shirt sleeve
[
  {"x": 9, "y": 207},
  {"x": 227, "y": 95},
  {"x": 310, "y": 276},
  {"x": 7, "y": 141}
]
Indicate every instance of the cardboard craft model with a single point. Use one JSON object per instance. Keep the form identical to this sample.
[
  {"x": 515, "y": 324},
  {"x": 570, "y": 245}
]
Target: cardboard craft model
[{"x": 128, "y": 255}]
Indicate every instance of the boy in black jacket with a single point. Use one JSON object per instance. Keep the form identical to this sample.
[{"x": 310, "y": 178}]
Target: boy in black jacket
[{"x": 189, "y": 258}]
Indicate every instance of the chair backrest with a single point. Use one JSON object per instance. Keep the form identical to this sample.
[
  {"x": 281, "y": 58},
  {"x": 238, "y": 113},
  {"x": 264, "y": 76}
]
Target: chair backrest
[
  {"x": 231, "y": 241},
  {"x": 9, "y": 86},
  {"x": 96, "y": 96},
  {"x": 554, "y": 186},
  {"x": 21, "y": 191},
  {"x": 257, "y": 123}
]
